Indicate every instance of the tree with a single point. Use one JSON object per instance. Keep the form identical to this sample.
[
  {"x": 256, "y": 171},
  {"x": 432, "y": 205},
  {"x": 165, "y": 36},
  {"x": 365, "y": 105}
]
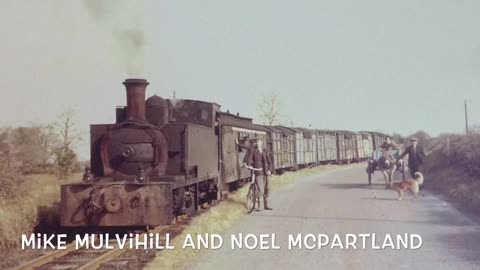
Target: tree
[
  {"x": 65, "y": 157},
  {"x": 398, "y": 138},
  {"x": 269, "y": 108},
  {"x": 474, "y": 129},
  {"x": 422, "y": 136},
  {"x": 33, "y": 146},
  {"x": 11, "y": 177}
]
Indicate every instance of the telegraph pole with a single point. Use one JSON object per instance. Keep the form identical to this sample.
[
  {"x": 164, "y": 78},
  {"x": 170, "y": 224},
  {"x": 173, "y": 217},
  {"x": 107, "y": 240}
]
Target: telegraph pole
[{"x": 466, "y": 118}]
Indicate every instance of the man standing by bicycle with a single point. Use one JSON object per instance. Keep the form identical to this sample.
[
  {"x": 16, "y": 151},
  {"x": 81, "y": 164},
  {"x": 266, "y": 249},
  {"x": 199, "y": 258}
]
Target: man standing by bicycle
[{"x": 259, "y": 158}]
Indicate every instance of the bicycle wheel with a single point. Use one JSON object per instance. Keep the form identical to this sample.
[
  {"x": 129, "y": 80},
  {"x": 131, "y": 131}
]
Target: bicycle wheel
[{"x": 251, "y": 198}]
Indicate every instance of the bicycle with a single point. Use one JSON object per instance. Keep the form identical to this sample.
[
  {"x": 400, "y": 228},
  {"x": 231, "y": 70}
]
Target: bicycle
[{"x": 252, "y": 196}]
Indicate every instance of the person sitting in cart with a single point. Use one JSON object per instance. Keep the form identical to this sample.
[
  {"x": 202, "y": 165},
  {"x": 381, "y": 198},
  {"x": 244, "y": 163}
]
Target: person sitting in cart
[
  {"x": 389, "y": 151},
  {"x": 387, "y": 160}
]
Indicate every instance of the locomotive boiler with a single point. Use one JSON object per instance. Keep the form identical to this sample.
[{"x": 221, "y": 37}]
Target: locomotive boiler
[{"x": 158, "y": 160}]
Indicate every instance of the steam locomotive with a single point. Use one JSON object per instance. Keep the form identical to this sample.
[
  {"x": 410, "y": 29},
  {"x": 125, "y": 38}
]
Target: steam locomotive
[{"x": 163, "y": 158}]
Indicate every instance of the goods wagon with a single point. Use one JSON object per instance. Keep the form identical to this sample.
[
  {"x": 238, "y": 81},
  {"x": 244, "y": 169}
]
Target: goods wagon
[
  {"x": 289, "y": 146},
  {"x": 367, "y": 140},
  {"x": 327, "y": 146},
  {"x": 378, "y": 139},
  {"x": 360, "y": 147},
  {"x": 309, "y": 143},
  {"x": 346, "y": 146},
  {"x": 279, "y": 149}
]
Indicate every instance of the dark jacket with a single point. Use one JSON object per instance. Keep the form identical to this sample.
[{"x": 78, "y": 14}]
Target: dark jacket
[
  {"x": 246, "y": 147},
  {"x": 260, "y": 160},
  {"x": 415, "y": 158}
]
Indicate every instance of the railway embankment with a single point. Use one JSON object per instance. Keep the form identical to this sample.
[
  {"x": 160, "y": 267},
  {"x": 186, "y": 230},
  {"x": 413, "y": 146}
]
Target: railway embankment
[
  {"x": 36, "y": 210},
  {"x": 453, "y": 169},
  {"x": 32, "y": 208}
]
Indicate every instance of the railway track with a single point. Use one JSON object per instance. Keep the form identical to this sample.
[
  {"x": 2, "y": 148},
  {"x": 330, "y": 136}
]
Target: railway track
[{"x": 89, "y": 259}]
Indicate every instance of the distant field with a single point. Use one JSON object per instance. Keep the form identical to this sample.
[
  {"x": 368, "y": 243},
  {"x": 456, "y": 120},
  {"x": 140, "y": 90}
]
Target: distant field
[{"x": 36, "y": 207}]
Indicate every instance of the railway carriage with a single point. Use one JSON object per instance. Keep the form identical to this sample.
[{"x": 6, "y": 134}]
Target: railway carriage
[{"x": 234, "y": 127}]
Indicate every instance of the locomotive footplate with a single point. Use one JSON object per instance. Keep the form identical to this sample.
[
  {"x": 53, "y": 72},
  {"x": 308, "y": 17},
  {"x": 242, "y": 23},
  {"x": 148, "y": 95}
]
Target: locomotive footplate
[{"x": 116, "y": 204}]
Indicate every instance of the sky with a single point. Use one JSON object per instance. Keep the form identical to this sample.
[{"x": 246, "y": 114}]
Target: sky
[{"x": 391, "y": 66}]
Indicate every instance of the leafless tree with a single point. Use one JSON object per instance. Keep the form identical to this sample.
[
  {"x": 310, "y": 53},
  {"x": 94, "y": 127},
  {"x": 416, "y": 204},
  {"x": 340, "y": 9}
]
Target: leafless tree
[
  {"x": 269, "y": 108},
  {"x": 65, "y": 156}
]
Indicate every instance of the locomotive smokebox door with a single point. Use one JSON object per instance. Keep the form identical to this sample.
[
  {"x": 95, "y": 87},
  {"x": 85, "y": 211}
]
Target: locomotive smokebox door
[{"x": 125, "y": 149}]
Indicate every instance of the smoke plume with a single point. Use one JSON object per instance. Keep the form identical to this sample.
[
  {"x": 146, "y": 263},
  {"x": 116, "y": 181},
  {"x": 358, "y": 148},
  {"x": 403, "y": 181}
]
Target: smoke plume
[{"x": 121, "y": 29}]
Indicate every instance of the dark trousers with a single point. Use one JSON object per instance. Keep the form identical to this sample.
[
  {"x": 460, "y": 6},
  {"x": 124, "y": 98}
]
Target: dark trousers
[{"x": 261, "y": 181}]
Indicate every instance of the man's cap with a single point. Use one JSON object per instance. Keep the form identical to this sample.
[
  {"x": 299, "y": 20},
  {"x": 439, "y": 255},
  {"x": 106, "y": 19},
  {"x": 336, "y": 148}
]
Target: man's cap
[{"x": 414, "y": 139}]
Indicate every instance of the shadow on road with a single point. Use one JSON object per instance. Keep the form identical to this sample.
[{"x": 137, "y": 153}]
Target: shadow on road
[
  {"x": 385, "y": 199},
  {"x": 354, "y": 186},
  {"x": 435, "y": 220}
]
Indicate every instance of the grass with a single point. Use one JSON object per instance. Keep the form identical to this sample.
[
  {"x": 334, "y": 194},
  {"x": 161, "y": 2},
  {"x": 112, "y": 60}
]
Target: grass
[
  {"x": 453, "y": 169},
  {"x": 34, "y": 209},
  {"x": 457, "y": 185},
  {"x": 218, "y": 219}
]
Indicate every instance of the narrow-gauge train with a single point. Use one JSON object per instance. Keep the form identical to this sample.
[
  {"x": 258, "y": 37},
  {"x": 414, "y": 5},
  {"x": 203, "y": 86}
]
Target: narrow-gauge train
[{"x": 165, "y": 157}]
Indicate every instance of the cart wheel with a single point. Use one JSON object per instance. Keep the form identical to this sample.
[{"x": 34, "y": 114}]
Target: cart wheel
[{"x": 369, "y": 178}]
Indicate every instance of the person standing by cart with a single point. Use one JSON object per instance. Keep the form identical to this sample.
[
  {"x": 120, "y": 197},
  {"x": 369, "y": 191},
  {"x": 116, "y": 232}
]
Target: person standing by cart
[
  {"x": 416, "y": 156},
  {"x": 259, "y": 159}
]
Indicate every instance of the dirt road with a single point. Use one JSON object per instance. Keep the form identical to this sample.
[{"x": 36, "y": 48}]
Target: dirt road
[{"x": 340, "y": 202}]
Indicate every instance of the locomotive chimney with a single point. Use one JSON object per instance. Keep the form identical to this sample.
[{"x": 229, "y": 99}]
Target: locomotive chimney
[{"x": 136, "y": 98}]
